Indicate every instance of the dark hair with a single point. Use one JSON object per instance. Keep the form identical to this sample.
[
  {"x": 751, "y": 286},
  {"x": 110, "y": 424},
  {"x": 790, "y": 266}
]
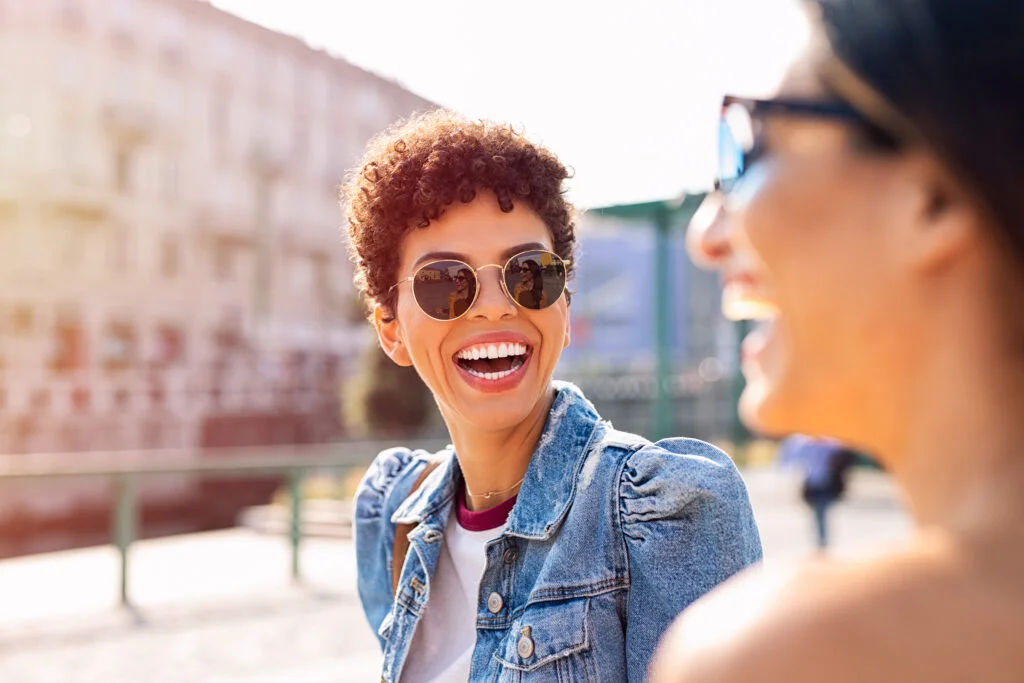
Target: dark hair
[
  {"x": 413, "y": 171},
  {"x": 955, "y": 70},
  {"x": 534, "y": 268},
  {"x": 470, "y": 281}
]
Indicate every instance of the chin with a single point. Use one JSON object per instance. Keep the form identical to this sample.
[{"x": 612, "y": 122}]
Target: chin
[
  {"x": 496, "y": 419},
  {"x": 764, "y": 410}
]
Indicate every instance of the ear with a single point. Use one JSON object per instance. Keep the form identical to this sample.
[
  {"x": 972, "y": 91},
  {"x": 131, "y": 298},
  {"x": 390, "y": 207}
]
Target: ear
[
  {"x": 390, "y": 335},
  {"x": 947, "y": 222}
]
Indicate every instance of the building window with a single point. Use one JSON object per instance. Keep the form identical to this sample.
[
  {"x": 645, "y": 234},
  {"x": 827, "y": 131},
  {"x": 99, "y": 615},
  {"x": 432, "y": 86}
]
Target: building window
[
  {"x": 81, "y": 399},
  {"x": 70, "y": 153},
  {"x": 120, "y": 247},
  {"x": 69, "y": 346},
  {"x": 172, "y": 102},
  {"x": 123, "y": 87},
  {"x": 169, "y": 181},
  {"x": 303, "y": 274},
  {"x": 170, "y": 257},
  {"x": 71, "y": 246},
  {"x": 69, "y": 13},
  {"x": 220, "y": 120},
  {"x": 173, "y": 33},
  {"x": 119, "y": 346},
  {"x": 170, "y": 345},
  {"x": 300, "y": 138},
  {"x": 69, "y": 68},
  {"x": 369, "y": 107},
  {"x": 124, "y": 170},
  {"x": 22, "y": 319},
  {"x": 122, "y": 398},
  {"x": 122, "y": 15},
  {"x": 40, "y": 400},
  {"x": 223, "y": 47},
  {"x": 223, "y": 261}
]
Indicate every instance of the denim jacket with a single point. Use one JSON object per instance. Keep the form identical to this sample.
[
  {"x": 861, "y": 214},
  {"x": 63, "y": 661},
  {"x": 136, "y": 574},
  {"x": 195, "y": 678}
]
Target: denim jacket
[{"x": 610, "y": 538}]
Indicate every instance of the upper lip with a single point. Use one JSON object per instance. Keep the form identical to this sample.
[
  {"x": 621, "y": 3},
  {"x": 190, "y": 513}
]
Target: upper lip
[
  {"x": 741, "y": 278},
  {"x": 507, "y": 337}
]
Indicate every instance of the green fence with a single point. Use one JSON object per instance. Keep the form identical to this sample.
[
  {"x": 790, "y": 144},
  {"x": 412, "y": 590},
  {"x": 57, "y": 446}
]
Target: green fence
[{"x": 296, "y": 462}]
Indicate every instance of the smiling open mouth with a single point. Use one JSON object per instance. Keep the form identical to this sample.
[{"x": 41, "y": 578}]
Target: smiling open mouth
[{"x": 492, "y": 361}]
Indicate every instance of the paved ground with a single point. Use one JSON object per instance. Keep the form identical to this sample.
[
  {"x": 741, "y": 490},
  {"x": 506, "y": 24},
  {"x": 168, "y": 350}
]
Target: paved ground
[{"x": 220, "y": 607}]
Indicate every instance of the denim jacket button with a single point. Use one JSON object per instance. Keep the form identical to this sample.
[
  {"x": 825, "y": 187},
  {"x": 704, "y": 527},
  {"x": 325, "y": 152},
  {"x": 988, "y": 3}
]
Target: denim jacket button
[
  {"x": 494, "y": 603},
  {"x": 525, "y": 646},
  {"x": 510, "y": 555}
]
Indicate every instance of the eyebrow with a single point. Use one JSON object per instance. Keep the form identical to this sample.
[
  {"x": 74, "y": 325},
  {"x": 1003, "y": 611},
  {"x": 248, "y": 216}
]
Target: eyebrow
[{"x": 456, "y": 256}]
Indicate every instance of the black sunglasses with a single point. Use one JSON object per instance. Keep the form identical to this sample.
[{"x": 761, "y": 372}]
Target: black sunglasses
[
  {"x": 740, "y": 139},
  {"x": 436, "y": 285}
]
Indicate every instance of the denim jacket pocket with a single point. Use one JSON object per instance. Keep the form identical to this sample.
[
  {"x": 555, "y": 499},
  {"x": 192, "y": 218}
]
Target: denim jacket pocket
[{"x": 548, "y": 642}]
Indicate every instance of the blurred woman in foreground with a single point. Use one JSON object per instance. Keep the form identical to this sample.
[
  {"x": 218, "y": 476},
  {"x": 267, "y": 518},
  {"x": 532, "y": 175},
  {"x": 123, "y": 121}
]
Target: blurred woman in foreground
[{"x": 873, "y": 213}]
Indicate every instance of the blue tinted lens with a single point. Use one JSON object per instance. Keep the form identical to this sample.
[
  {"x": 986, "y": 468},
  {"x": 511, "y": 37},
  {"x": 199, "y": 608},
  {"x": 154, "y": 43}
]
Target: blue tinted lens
[{"x": 731, "y": 160}]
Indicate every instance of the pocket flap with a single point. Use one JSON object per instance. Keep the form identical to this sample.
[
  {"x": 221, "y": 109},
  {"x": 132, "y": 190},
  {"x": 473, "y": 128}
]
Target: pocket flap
[{"x": 552, "y": 630}]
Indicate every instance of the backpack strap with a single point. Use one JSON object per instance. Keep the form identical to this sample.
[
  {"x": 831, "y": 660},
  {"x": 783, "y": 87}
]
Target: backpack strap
[{"x": 402, "y": 531}]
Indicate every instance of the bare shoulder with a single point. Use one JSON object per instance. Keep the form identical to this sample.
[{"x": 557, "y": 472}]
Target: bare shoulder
[{"x": 909, "y": 616}]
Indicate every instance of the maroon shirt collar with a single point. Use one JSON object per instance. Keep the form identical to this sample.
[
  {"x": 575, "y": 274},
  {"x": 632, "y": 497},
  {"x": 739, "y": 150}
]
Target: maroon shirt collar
[{"x": 481, "y": 520}]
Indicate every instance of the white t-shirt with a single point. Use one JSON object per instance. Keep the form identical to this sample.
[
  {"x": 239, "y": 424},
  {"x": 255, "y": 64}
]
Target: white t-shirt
[{"x": 442, "y": 647}]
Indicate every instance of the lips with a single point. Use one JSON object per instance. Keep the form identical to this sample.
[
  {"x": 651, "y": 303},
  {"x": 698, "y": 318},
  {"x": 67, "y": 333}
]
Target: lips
[
  {"x": 494, "y": 362},
  {"x": 744, "y": 298}
]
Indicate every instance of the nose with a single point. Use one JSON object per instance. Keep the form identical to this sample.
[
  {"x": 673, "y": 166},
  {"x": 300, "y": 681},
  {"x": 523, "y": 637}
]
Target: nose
[
  {"x": 708, "y": 237},
  {"x": 492, "y": 303}
]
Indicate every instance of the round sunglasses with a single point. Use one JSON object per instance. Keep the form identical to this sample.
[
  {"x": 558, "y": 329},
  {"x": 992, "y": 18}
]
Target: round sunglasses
[{"x": 446, "y": 289}]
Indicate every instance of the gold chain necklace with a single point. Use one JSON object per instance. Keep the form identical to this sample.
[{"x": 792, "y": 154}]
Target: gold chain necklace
[{"x": 491, "y": 494}]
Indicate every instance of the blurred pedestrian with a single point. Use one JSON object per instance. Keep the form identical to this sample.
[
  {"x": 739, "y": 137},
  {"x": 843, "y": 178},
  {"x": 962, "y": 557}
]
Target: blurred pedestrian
[
  {"x": 824, "y": 464},
  {"x": 872, "y": 212}
]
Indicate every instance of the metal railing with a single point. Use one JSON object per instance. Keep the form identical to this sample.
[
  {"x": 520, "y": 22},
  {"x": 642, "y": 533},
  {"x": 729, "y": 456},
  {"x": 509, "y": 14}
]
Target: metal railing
[{"x": 296, "y": 462}]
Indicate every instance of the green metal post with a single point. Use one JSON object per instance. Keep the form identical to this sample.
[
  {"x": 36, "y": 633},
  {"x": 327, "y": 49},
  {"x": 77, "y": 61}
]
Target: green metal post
[
  {"x": 125, "y": 522},
  {"x": 295, "y": 527},
  {"x": 662, "y": 316},
  {"x": 739, "y": 435}
]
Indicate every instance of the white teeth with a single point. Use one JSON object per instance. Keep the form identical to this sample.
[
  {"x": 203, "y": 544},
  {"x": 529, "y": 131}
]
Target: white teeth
[
  {"x": 502, "y": 350},
  {"x": 496, "y": 375}
]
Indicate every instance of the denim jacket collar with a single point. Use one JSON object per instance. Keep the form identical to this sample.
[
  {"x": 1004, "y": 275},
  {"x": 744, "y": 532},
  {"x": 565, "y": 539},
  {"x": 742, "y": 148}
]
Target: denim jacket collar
[{"x": 550, "y": 482}]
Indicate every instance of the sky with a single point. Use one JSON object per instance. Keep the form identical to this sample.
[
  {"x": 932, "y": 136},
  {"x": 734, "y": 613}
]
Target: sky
[{"x": 626, "y": 94}]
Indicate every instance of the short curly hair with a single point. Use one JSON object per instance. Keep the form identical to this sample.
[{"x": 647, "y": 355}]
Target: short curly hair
[{"x": 415, "y": 169}]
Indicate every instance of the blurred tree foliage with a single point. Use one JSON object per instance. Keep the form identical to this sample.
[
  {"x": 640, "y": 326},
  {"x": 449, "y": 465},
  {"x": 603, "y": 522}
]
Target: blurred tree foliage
[{"x": 386, "y": 400}]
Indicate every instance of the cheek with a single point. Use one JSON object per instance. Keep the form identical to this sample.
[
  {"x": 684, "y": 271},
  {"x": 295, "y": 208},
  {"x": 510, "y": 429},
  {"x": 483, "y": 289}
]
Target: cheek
[
  {"x": 423, "y": 339},
  {"x": 821, "y": 245},
  {"x": 553, "y": 324}
]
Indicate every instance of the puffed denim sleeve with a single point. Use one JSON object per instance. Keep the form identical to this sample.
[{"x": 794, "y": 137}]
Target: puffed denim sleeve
[
  {"x": 688, "y": 525},
  {"x": 384, "y": 487}
]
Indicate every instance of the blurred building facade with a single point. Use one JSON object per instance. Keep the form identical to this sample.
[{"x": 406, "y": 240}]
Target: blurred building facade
[
  {"x": 170, "y": 257},
  {"x": 612, "y": 354}
]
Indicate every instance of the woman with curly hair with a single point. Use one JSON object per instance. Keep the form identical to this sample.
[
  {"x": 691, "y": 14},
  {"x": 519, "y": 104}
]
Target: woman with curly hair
[{"x": 544, "y": 545}]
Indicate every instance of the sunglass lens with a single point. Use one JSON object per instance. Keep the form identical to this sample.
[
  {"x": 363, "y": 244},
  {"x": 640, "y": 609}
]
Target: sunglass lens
[
  {"x": 444, "y": 289},
  {"x": 737, "y": 139},
  {"x": 730, "y": 157},
  {"x": 535, "y": 279}
]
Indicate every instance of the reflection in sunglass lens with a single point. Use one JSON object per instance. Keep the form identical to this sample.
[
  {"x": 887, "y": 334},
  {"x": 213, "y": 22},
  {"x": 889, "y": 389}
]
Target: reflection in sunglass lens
[
  {"x": 730, "y": 158},
  {"x": 440, "y": 289},
  {"x": 535, "y": 279},
  {"x": 736, "y": 141}
]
